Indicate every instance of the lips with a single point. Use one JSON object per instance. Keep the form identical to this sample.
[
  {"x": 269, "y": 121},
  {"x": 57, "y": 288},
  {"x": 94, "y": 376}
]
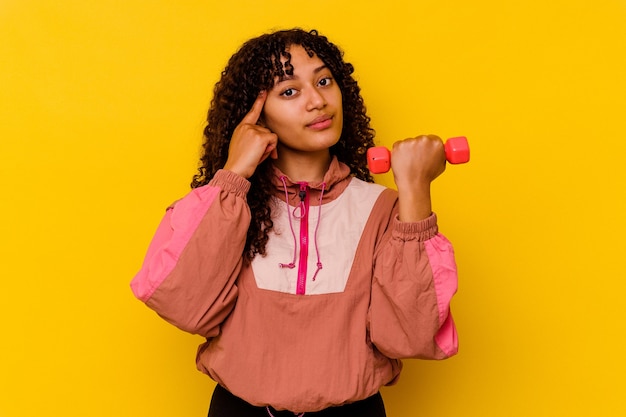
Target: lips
[{"x": 322, "y": 122}]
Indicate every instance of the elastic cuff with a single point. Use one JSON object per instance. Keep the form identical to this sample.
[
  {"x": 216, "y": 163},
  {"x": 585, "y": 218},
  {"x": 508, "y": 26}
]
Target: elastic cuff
[
  {"x": 422, "y": 230},
  {"x": 231, "y": 182}
]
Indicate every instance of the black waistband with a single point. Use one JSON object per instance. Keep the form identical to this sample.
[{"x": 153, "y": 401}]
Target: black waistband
[{"x": 225, "y": 404}]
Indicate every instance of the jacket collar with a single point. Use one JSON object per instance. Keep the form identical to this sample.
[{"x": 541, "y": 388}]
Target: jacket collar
[{"x": 336, "y": 180}]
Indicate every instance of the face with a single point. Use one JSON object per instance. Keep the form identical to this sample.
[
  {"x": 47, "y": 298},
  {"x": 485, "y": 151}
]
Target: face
[{"x": 304, "y": 109}]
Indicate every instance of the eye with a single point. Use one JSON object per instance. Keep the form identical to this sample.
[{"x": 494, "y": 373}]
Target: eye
[
  {"x": 325, "y": 82},
  {"x": 289, "y": 92}
]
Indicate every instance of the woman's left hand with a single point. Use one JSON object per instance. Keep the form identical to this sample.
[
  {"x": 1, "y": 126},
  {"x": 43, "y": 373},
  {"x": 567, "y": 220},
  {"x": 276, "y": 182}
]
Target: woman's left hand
[
  {"x": 420, "y": 159},
  {"x": 416, "y": 162}
]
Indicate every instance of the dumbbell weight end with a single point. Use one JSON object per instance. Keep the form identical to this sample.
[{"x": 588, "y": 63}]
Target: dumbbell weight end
[{"x": 457, "y": 152}]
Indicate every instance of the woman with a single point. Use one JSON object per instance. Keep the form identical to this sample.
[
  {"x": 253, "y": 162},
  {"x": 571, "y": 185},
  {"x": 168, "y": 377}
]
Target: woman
[{"x": 309, "y": 281}]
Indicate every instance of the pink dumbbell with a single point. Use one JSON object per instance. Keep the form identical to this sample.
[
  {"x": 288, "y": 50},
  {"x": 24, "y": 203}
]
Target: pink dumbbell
[{"x": 457, "y": 152}]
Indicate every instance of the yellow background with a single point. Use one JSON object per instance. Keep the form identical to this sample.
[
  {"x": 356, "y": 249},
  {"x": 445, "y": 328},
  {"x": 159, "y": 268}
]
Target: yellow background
[{"x": 101, "y": 111}]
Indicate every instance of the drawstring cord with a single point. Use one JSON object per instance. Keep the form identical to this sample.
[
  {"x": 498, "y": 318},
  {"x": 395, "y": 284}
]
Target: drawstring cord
[
  {"x": 317, "y": 226},
  {"x": 291, "y": 264},
  {"x": 299, "y": 215}
]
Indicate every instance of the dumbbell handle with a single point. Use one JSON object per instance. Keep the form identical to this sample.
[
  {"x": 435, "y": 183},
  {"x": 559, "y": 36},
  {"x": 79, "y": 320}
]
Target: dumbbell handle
[{"x": 457, "y": 152}]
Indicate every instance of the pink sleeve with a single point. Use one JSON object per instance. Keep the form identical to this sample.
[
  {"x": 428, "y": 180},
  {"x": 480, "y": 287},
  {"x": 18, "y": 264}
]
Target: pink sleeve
[
  {"x": 415, "y": 277},
  {"x": 441, "y": 260},
  {"x": 189, "y": 273},
  {"x": 180, "y": 221}
]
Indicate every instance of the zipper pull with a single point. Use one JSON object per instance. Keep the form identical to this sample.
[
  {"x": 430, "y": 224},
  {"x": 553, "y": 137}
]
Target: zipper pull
[
  {"x": 302, "y": 195},
  {"x": 299, "y": 211},
  {"x": 302, "y": 192}
]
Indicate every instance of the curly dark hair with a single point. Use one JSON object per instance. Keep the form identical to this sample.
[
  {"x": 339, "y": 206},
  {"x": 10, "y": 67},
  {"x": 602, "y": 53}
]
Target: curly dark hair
[{"x": 254, "y": 68}]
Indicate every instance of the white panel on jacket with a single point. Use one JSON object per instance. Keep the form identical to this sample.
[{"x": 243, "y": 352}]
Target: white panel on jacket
[{"x": 340, "y": 229}]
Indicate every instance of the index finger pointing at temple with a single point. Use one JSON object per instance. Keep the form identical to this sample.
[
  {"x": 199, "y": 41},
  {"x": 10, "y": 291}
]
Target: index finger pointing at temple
[{"x": 255, "y": 112}]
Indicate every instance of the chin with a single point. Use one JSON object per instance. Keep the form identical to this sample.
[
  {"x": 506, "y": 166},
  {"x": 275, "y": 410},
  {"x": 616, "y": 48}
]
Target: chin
[{"x": 328, "y": 143}]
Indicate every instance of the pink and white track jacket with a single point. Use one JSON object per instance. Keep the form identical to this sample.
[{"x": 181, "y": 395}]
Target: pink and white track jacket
[{"x": 346, "y": 289}]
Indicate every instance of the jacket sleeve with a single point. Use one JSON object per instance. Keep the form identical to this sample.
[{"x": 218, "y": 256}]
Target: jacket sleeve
[
  {"x": 190, "y": 270},
  {"x": 415, "y": 277}
]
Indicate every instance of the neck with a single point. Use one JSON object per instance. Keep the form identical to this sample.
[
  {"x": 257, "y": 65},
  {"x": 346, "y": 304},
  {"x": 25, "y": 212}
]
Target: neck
[{"x": 307, "y": 167}]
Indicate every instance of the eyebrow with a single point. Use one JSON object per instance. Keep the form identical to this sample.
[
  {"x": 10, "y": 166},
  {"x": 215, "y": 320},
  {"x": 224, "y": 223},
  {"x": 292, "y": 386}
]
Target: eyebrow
[{"x": 287, "y": 77}]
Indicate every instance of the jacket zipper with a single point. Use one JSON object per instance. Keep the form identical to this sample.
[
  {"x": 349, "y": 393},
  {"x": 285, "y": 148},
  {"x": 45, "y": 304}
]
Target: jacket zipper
[{"x": 304, "y": 239}]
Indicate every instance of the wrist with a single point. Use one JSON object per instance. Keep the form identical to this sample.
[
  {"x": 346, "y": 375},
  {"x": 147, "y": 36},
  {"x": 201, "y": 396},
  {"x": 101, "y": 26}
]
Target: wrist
[
  {"x": 414, "y": 203},
  {"x": 236, "y": 170}
]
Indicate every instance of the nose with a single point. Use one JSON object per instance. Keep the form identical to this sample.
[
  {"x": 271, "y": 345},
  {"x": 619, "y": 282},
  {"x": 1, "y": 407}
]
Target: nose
[{"x": 315, "y": 100}]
